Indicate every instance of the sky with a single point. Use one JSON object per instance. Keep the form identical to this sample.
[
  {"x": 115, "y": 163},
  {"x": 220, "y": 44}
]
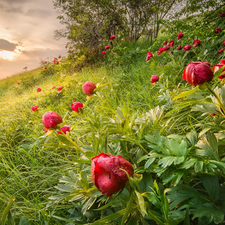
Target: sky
[{"x": 27, "y": 35}]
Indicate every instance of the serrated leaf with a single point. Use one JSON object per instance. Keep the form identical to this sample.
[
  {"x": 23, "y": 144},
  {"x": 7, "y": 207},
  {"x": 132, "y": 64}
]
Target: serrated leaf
[{"x": 192, "y": 137}]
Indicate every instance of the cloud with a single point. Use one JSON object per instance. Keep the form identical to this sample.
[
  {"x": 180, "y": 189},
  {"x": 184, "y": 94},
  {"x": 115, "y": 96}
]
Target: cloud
[
  {"x": 40, "y": 13},
  {"x": 6, "y": 45}
]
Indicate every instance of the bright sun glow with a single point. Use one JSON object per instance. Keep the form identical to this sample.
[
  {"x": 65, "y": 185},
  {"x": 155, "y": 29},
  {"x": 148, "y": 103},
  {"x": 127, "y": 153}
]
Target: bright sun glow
[{"x": 7, "y": 55}]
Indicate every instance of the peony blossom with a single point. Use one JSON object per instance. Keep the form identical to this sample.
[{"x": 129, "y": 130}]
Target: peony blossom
[
  {"x": 179, "y": 47},
  {"x": 218, "y": 66},
  {"x": 38, "y": 89},
  {"x": 220, "y": 50},
  {"x": 197, "y": 73},
  {"x": 60, "y": 88},
  {"x": 107, "y": 175},
  {"x": 77, "y": 106},
  {"x": 107, "y": 47},
  {"x": 222, "y": 14},
  {"x": 149, "y": 56},
  {"x": 196, "y": 43},
  {"x": 171, "y": 43},
  {"x": 224, "y": 43},
  {"x": 18, "y": 83},
  {"x": 171, "y": 52},
  {"x": 88, "y": 88},
  {"x": 64, "y": 129},
  {"x": 51, "y": 119},
  {"x": 103, "y": 52},
  {"x": 59, "y": 57},
  {"x": 186, "y": 48},
  {"x": 165, "y": 48},
  {"x": 217, "y": 30},
  {"x": 112, "y": 37},
  {"x": 34, "y": 108},
  {"x": 154, "y": 79},
  {"x": 165, "y": 43},
  {"x": 45, "y": 68},
  {"x": 56, "y": 62},
  {"x": 159, "y": 52},
  {"x": 180, "y": 35}
]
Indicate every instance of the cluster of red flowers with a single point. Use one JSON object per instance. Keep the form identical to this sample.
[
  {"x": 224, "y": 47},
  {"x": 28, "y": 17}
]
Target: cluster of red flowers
[{"x": 107, "y": 47}]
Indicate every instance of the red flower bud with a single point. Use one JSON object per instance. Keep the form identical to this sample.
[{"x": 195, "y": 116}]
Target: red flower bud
[
  {"x": 171, "y": 43},
  {"x": 51, "y": 119},
  {"x": 38, "y": 89},
  {"x": 165, "y": 43},
  {"x": 154, "y": 79},
  {"x": 59, "y": 57},
  {"x": 179, "y": 47},
  {"x": 149, "y": 56},
  {"x": 171, "y": 52},
  {"x": 107, "y": 47},
  {"x": 196, "y": 42},
  {"x": 18, "y": 83},
  {"x": 34, "y": 108},
  {"x": 103, "y": 52},
  {"x": 186, "y": 48},
  {"x": 220, "y": 50},
  {"x": 218, "y": 66},
  {"x": 107, "y": 175},
  {"x": 64, "y": 129},
  {"x": 56, "y": 62},
  {"x": 197, "y": 73},
  {"x": 217, "y": 30},
  {"x": 77, "y": 106},
  {"x": 60, "y": 88},
  {"x": 88, "y": 88},
  {"x": 224, "y": 43},
  {"x": 180, "y": 35},
  {"x": 112, "y": 37}
]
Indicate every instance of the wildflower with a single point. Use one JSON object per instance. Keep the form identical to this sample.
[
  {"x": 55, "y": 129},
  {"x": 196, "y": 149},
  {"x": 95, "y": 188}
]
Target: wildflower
[
  {"x": 51, "y": 119},
  {"x": 180, "y": 35},
  {"x": 77, "y": 106},
  {"x": 112, "y": 37},
  {"x": 197, "y": 73},
  {"x": 60, "y": 88},
  {"x": 154, "y": 79},
  {"x": 149, "y": 56},
  {"x": 217, "y": 30},
  {"x": 186, "y": 48},
  {"x": 34, "y": 108},
  {"x": 64, "y": 129},
  {"x": 88, "y": 88},
  {"x": 107, "y": 175},
  {"x": 196, "y": 42}
]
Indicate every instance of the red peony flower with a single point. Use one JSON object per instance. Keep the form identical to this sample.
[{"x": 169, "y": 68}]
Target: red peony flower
[
  {"x": 103, "y": 52},
  {"x": 107, "y": 175},
  {"x": 77, "y": 106},
  {"x": 34, "y": 108},
  {"x": 171, "y": 43},
  {"x": 220, "y": 50},
  {"x": 180, "y": 35},
  {"x": 217, "y": 30},
  {"x": 88, "y": 88},
  {"x": 224, "y": 43},
  {"x": 222, "y": 14},
  {"x": 186, "y": 48},
  {"x": 51, "y": 119},
  {"x": 179, "y": 47},
  {"x": 93, "y": 52},
  {"x": 154, "y": 79},
  {"x": 165, "y": 43},
  {"x": 165, "y": 48},
  {"x": 60, "y": 88},
  {"x": 56, "y": 62},
  {"x": 38, "y": 89},
  {"x": 196, "y": 42},
  {"x": 107, "y": 47},
  {"x": 59, "y": 57},
  {"x": 64, "y": 129},
  {"x": 45, "y": 68},
  {"x": 18, "y": 83},
  {"x": 46, "y": 62},
  {"x": 112, "y": 37},
  {"x": 159, "y": 52},
  {"x": 218, "y": 66},
  {"x": 171, "y": 52},
  {"x": 149, "y": 56},
  {"x": 197, "y": 73}
]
